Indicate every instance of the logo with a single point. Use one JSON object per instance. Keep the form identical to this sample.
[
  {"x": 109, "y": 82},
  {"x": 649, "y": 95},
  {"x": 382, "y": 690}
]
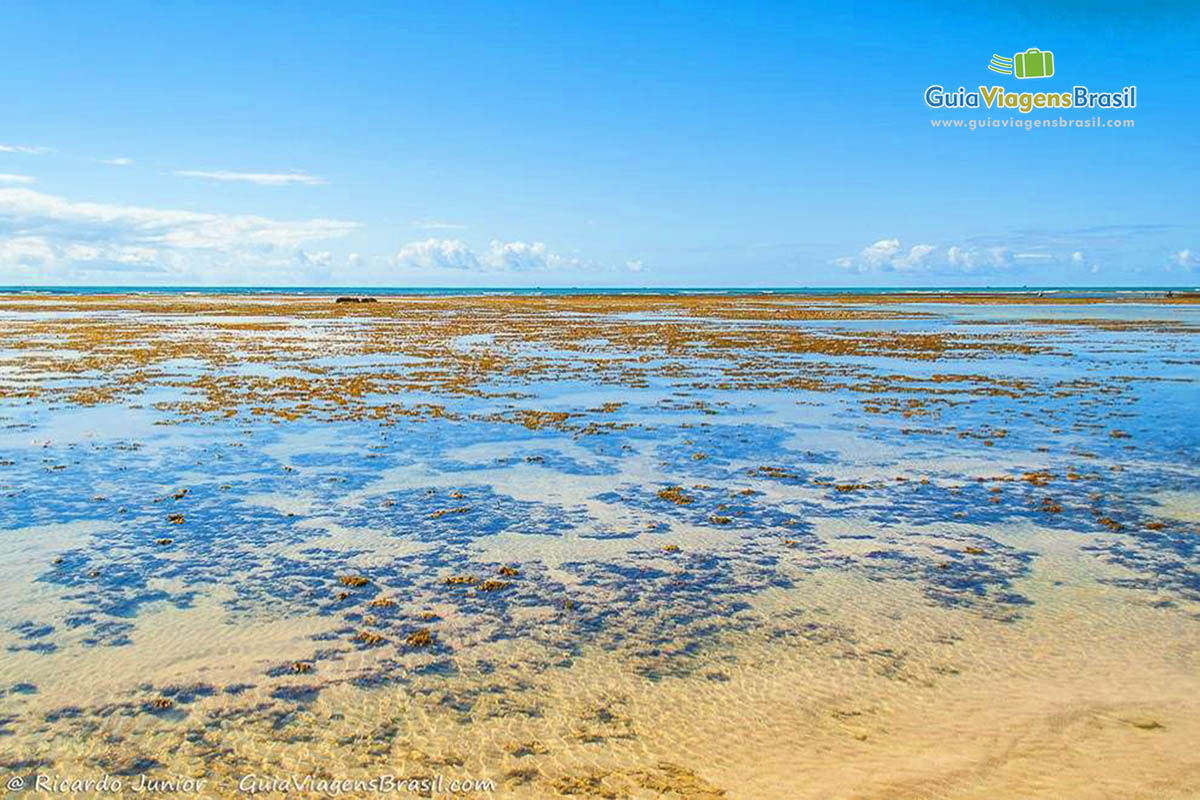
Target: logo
[{"x": 1033, "y": 63}]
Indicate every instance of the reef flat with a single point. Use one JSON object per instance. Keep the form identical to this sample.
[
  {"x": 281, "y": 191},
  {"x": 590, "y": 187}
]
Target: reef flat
[{"x": 615, "y": 546}]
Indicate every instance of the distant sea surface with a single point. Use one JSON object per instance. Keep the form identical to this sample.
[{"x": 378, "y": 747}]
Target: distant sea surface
[{"x": 1064, "y": 291}]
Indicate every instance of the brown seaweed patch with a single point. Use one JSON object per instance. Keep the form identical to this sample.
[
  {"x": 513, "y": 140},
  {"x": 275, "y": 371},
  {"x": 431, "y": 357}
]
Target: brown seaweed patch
[
  {"x": 1039, "y": 477},
  {"x": 441, "y": 512},
  {"x": 422, "y": 637},
  {"x": 689, "y": 339},
  {"x": 676, "y": 495},
  {"x": 1051, "y": 506},
  {"x": 778, "y": 473},
  {"x": 493, "y": 585},
  {"x": 668, "y": 780},
  {"x": 538, "y": 420},
  {"x": 521, "y": 775},
  {"x": 528, "y": 748},
  {"x": 661, "y": 780}
]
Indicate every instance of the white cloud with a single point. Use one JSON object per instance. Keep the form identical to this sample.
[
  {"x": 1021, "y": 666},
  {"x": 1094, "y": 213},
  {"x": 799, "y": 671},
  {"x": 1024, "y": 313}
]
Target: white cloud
[
  {"x": 523, "y": 256},
  {"x": 1186, "y": 259},
  {"x": 60, "y": 236},
  {"x": 118, "y": 162},
  {"x": 437, "y": 254},
  {"x": 37, "y": 256},
  {"x": 26, "y": 149},
  {"x": 131, "y": 255},
  {"x": 181, "y": 229},
  {"x": 499, "y": 257},
  {"x": 319, "y": 258},
  {"x": 959, "y": 257},
  {"x": 886, "y": 255},
  {"x": 634, "y": 265},
  {"x": 23, "y": 179},
  {"x": 435, "y": 225},
  {"x": 25, "y": 251},
  {"x": 1078, "y": 259},
  {"x": 880, "y": 253},
  {"x": 1033, "y": 255},
  {"x": 260, "y": 178},
  {"x": 918, "y": 256}
]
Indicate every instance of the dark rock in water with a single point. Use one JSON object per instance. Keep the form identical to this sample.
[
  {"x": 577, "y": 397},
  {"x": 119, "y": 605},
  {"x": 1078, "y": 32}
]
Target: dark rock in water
[{"x": 355, "y": 300}]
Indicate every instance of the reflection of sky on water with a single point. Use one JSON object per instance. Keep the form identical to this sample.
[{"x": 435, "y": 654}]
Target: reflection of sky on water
[{"x": 120, "y": 533}]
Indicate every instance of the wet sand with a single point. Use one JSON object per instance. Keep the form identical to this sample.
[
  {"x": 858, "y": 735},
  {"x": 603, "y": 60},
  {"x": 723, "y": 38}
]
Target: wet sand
[{"x": 605, "y": 546}]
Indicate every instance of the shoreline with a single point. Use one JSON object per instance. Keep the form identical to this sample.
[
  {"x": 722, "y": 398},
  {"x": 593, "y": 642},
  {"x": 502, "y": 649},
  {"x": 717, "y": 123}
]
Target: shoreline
[
  {"x": 1007, "y": 295},
  {"x": 377, "y": 300}
]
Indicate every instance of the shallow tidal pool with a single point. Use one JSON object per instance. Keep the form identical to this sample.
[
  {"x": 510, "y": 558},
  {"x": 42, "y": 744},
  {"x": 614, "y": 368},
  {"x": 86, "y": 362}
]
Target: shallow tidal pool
[{"x": 603, "y": 546}]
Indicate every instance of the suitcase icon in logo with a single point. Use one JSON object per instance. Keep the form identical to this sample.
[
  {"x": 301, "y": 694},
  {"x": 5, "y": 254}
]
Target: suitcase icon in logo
[{"x": 1033, "y": 63}]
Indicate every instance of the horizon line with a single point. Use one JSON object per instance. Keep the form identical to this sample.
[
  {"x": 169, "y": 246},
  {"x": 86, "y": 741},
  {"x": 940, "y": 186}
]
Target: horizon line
[{"x": 397, "y": 289}]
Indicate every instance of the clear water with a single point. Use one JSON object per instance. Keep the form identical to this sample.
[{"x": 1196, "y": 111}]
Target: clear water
[{"x": 961, "y": 572}]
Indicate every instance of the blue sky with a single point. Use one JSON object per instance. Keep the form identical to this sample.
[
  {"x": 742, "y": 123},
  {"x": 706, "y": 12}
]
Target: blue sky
[{"x": 621, "y": 144}]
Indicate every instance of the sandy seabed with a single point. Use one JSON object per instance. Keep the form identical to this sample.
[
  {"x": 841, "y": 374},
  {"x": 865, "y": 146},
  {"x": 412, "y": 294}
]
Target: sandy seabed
[{"x": 604, "y": 546}]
